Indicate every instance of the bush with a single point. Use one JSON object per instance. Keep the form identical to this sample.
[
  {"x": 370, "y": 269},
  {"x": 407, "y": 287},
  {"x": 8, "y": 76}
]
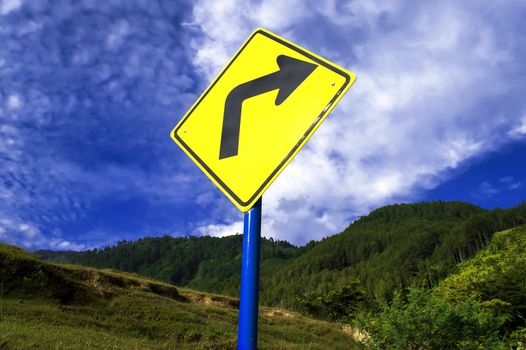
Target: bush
[
  {"x": 423, "y": 320},
  {"x": 340, "y": 304}
]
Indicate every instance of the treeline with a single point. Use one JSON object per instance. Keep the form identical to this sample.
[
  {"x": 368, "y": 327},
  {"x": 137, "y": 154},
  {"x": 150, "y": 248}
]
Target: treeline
[
  {"x": 204, "y": 263},
  {"x": 392, "y": 248}
]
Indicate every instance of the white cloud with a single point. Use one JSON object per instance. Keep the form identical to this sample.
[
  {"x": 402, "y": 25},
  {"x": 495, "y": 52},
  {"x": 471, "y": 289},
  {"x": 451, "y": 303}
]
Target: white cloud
[
  {"x": 510, "y": 182},
  {"x": 219, "y": 230},
  {"x": 66, "y": 245},
  {"x": 14, "y": 102},
  {"x": 117, "y": 34},
  {"x": 487, "y": 190},
  {"x": 515, "y": 186},
  {"x": 7, "y": 6},
  {"x": 519, "y": 130},
  {"x": 425, "y": 73},
  {"x": 15, "y": 230}
]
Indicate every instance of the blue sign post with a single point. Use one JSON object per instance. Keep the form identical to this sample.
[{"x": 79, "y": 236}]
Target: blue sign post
[{"x": 249, "y": 293}]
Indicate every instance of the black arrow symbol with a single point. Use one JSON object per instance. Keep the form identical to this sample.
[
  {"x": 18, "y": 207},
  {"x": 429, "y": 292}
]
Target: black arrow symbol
[{"x": 291, "y": 74}]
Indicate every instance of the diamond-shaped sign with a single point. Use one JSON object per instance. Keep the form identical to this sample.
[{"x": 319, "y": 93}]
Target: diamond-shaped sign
[{"x": 258, "y": 113}]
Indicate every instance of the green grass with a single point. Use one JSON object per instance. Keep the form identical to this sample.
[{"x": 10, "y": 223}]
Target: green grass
[{"x": 53, "y": 306}]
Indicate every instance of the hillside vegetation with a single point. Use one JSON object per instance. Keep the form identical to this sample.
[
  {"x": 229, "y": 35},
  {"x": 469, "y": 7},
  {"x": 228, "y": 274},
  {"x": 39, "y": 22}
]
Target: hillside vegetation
[
  {"x": 481, "y": 306},
  {"x": 439, "y": 275},
  {"x": 206, "y": 263},
  {"x": 496, "y": 276},
  {"x": 392, "y": 248},
  {"x": 54, "y": 306}
]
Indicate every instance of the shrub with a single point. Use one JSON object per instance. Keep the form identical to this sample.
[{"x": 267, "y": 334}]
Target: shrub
[{"x": 423, "y": 320}]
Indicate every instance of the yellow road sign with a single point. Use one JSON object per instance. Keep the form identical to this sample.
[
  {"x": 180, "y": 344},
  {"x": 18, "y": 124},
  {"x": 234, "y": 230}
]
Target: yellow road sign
[{"x": 258, "y": 113}]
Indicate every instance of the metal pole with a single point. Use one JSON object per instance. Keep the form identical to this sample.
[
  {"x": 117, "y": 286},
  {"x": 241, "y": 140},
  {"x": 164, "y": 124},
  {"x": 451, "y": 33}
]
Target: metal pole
[{"x": 248, "y": 304}]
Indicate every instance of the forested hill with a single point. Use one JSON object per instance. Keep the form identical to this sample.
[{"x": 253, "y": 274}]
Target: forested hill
[
  {"x": 184, "y": 261},
  {"x": 390, "y": 249}
]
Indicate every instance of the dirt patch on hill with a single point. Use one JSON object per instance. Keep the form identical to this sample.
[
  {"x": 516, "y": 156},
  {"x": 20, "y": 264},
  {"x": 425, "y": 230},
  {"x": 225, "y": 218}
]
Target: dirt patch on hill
[
  {"x": 212, "y": 300},
  {"x": 277, "y": 313}
]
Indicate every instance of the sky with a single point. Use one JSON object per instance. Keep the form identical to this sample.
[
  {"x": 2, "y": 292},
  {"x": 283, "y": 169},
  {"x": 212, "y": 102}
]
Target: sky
[{"x": 90, "y": 90}]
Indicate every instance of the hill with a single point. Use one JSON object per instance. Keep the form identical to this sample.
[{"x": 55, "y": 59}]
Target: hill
[
  {"x": 54, "y": 306},
  {"x": 392, "y": 248},
  {"x": 207, "y": 263}
]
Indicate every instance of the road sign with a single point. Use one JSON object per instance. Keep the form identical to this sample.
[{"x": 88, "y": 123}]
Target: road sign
[{"x": 258, "y": 113}]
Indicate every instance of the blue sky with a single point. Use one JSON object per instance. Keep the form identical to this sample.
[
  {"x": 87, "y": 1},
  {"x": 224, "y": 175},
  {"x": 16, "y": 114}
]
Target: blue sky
[{"x": 90, "y": 90}]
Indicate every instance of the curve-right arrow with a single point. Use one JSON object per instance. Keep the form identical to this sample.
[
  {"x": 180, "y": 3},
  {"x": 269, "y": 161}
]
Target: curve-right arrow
[{"x": 292, "y": 72}]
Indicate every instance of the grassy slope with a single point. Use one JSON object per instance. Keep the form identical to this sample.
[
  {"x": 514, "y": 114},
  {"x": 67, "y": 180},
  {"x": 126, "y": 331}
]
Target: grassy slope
[{"x": 53, "y": 306}]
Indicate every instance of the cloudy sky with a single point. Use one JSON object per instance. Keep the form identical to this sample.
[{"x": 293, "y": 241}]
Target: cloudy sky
[{"x": 90, "y": 90}]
